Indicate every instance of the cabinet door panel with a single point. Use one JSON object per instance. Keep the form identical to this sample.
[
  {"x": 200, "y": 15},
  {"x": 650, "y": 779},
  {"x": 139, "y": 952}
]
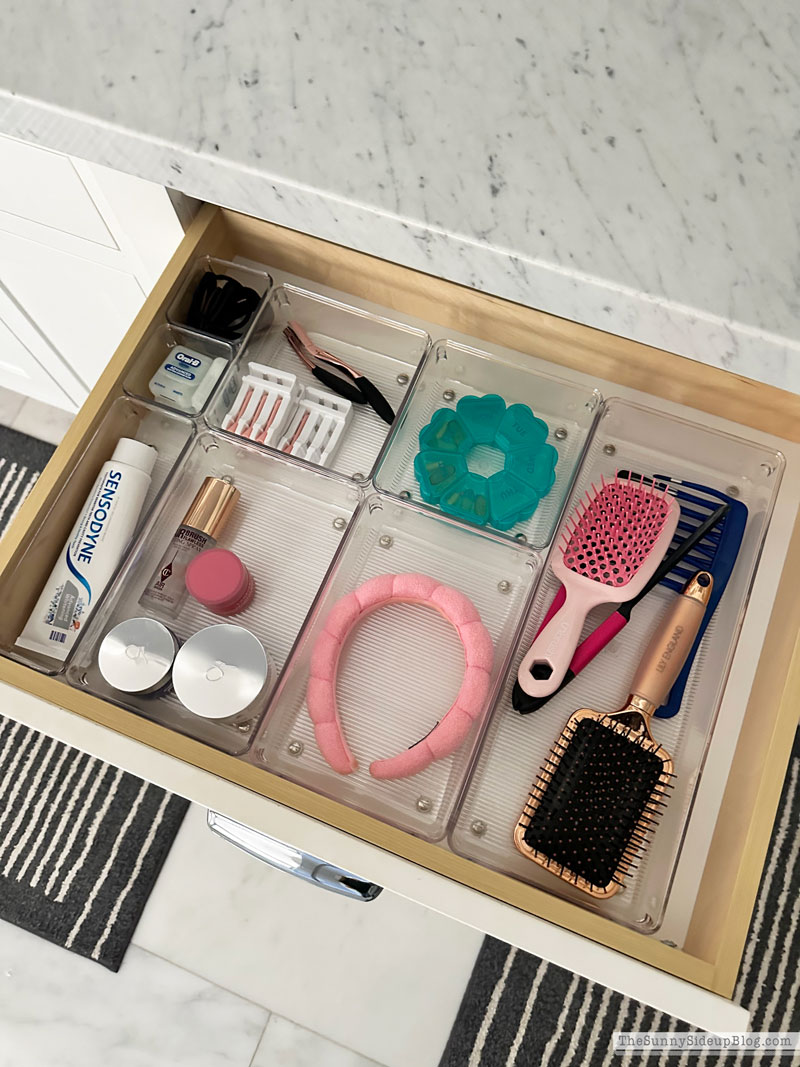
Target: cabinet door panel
[
  {"x": 52, "y": 194},
  {"x": 82, "y": 307},
  {"x": 80, "y": 248},
  {"x": 19, "y": 368}
]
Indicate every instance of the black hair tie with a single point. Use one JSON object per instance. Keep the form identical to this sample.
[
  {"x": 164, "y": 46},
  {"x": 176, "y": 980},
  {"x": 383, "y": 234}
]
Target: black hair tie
[{"x": 221, "y": 306}]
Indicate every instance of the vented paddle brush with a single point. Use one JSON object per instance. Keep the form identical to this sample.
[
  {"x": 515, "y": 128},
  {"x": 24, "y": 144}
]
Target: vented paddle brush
[
  {"x": 603, "y": 787},
  {"x": 612, "y": 544}
]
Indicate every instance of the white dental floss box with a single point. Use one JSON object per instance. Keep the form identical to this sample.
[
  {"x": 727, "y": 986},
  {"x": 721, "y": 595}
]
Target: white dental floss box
[{"x": 186, "y": 377}]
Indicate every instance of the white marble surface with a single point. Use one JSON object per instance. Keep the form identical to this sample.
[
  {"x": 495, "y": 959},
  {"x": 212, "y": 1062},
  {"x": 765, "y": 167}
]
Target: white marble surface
[
  {"x": 285, "y": 1044},
  {"x": 631, "y": 167},
  {"x": 359, "y": 974},
  {"x": 10, "y": 407},
  {"x": 59, "y": 1010},
  {"x": 34, "y": 418}
]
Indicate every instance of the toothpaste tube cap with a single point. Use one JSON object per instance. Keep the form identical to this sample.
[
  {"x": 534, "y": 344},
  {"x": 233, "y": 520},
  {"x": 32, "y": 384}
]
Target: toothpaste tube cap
[{"x": 135, "y": 454}]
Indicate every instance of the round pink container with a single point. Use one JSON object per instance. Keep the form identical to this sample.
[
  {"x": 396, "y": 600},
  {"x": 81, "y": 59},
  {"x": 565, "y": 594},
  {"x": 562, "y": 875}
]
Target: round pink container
[{"x": 220, "y": 581}]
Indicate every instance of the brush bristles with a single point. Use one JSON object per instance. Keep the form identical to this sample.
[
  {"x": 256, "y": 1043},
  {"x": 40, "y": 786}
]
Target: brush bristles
[
  {"x": 613, "y": 529},
  {"x": 596, "y": 802}
]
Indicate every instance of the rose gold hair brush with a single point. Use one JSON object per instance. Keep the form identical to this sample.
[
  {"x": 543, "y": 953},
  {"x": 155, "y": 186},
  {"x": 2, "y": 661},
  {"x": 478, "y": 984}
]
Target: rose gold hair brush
[{"x": 601, "y": 790}]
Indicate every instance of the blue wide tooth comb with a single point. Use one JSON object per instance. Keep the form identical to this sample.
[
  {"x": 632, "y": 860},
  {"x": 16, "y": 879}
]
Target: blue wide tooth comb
[{"x": 701, "y": 558}]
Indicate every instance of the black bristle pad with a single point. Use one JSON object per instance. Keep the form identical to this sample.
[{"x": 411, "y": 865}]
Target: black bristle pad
[{"x": 600, "y": 789}]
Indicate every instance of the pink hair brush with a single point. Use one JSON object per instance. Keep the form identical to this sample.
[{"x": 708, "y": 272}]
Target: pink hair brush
[{"x": 612, "y": 544}]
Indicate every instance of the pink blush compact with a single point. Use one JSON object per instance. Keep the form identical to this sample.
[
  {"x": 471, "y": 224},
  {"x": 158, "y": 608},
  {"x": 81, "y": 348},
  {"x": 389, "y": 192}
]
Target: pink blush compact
[{"x": 220, "y": 581}]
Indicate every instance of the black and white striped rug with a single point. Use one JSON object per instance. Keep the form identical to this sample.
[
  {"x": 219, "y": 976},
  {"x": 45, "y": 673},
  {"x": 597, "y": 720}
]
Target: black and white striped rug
[
  {"x": 22, "y": 459},
  {"x": 81, "y": 842},
  {"x": 519, "y": 1011}
]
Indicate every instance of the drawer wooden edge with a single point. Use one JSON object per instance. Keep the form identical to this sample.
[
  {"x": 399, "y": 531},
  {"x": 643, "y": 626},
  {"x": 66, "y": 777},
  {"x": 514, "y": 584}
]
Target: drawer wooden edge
[
  {"x": 771, "y": 771},
  {"x": 738, "y": 852}
]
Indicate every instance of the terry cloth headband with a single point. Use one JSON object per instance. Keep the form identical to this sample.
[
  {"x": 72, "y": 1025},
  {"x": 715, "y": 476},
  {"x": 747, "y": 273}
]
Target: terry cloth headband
[{"x": 448, "y": 734}]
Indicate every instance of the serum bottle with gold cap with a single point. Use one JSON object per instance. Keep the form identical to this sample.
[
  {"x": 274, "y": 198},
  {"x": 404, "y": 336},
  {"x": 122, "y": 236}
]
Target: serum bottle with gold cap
[{"x": 202, "y": 524}]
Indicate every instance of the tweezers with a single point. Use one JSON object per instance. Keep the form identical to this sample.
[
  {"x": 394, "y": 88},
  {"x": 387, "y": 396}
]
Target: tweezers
[{"x": 353, "y": 386}]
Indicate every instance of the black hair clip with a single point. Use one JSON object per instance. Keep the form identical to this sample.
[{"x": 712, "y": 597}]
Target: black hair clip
[
  {"x": 353, "y": 386},
  {"x": 221, "y": 306}
]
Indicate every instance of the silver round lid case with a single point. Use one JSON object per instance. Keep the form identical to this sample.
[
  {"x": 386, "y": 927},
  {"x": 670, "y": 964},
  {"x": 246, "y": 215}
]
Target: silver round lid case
[
  {"x": 220, "y": 671},
  {"x": 136, "y": 656}
]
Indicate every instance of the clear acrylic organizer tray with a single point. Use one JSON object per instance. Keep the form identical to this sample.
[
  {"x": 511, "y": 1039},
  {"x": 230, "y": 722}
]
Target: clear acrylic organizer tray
[
  {"x": 452, "y": 371},
  {"x": 160, "y": 342},
  {"x": 250, "y": 275},
  {"x": 169, "y": 433},
  {"x": 403, "y": 666},
  {"x": 387, "y": 352},
  {"x": 285, "y": 527},
  {"x": 628, "y": 437}
]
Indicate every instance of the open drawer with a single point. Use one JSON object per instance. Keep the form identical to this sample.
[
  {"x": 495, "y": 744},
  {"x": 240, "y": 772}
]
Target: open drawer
[{"x": 744, "y": 765}]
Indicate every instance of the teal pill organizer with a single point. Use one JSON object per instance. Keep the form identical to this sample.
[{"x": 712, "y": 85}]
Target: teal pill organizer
[{"x": 502, "y": 499}]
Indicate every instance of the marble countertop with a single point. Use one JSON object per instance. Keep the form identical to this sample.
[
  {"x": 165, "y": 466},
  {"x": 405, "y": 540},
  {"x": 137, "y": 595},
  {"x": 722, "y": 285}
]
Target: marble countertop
[{"x": 633, "y": 167}]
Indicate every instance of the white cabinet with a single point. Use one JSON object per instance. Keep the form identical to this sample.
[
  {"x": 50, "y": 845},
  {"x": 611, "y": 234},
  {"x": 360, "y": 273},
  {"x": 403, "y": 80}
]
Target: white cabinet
[
  {"x": 80, "y": 248},
  {"x": 25, "y": 356}
]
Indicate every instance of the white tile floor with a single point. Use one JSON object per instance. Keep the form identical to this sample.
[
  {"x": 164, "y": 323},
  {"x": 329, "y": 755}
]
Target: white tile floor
[
  {"x": 234, "y": 964},
  {"x": 33, "y": 417},
  {"x": 59, "y": 1009},
  {"x": 10, "y": 404},
  {"x": 285, "y": 1044},
  {"x": 384, "y": 979}
]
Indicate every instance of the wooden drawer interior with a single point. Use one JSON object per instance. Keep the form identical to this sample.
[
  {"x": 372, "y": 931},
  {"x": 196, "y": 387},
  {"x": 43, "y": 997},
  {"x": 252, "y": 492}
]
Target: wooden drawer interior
[{"x": 720, "y": 920}]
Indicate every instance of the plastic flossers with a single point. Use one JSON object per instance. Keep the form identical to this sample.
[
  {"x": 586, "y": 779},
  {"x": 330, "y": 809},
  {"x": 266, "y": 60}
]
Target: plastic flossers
[{"x": 453, "y": 438}]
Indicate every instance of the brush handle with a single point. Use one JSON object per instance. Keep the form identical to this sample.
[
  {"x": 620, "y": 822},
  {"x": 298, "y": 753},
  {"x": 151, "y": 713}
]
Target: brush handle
[
  {"x": 556, "y": 604},
  {"x": 670, "y": 645},
  {"x": 597, "y": 640},
  {"x": 584, "y": 654},
  {"x": 555, "y": 643}
]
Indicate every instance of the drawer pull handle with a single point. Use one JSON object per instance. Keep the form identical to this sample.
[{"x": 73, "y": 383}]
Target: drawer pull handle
[{"x": 291, "y": 860}]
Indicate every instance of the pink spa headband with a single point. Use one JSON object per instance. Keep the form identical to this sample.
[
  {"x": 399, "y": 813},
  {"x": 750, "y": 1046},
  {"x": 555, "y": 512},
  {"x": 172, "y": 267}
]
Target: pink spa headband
[{"x": 454, "y": 727}]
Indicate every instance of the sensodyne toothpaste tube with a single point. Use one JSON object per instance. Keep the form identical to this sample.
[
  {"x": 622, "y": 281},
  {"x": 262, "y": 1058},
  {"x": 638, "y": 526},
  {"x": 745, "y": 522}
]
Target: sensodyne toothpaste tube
[{"x": 93, "y": 551}]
